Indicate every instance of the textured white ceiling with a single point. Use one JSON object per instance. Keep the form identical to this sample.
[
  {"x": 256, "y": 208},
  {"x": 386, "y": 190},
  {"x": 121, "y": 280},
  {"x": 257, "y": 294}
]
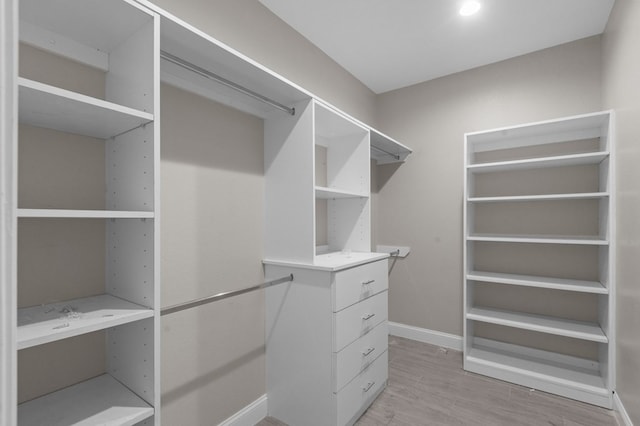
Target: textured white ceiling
[{"x": 388, "y": 44}]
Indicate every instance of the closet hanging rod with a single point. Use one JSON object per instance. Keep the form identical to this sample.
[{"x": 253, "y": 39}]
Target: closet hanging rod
[
  {"x": 396, "y": 156},
  {"x": 198, "y": 302},
  {"x": 215, "y": 77}
]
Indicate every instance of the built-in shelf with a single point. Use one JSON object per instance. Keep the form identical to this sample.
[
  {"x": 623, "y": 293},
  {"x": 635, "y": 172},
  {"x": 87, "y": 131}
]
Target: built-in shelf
[
  {"x": 547, "y": 239},
  {"x": 84, "y": 214},
  {"x": 581, "y": 286},
  {"x": 543, "y": 197},
  {"x": 385, "y": 150},
  {"x": 540, "y": 323},
  {"x": 51, "y": 107},
  {"x": 55, "y": 321},
  {"x": 554, "y": 369},
  {"x": 331, "y": 193},
  {"x": 99, "y": 401},
  {"x": 538, "y": 163}
]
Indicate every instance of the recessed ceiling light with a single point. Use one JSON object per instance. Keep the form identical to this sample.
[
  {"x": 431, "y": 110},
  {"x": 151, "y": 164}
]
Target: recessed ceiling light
[{"x": 469, "y": 8}]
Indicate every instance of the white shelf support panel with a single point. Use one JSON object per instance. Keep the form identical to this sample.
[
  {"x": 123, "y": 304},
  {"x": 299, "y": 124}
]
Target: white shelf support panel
[
  {"x": 531, "y": 239},
  {"x": 543, "y": 197},
  {"x": 84, "y": 214},
  {"x": 386, "y": 150},
  {"x": 543, "y": 162},
  {"x": 99, "y": 401},
  {"x": 47, "y": 323},
  {"x": 539, "y": 323},
  {"x": 560, "y": 374},
  {"x": 581, "y": 286},
  {"x": 50, "y": 107},
  {"x": 331, "y": 193}
]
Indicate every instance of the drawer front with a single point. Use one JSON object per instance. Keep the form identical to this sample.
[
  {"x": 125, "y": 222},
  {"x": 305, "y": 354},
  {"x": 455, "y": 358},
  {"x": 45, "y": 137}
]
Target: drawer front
[
  {"x": 359, "y": 319},
  {"x": 354, "y": 398},
  {"x": 356, "y": 357},
  {"x": 353, "y": 285}
]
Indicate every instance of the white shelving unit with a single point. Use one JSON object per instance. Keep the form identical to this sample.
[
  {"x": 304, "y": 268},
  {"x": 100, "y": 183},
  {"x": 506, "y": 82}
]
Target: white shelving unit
[
  {"x": 504, "y": 268},
  {"x": 324, "y": 165},
  {"x": 137, "y": 44},
  {"x": 121, "y": 38}
]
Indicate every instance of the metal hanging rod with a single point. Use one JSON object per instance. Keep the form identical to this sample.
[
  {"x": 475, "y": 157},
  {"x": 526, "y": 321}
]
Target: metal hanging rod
[
  {"x": 188, "y": 305},
  {"x": 396, "y": 156},
  {"x": 215, "y": 77}
]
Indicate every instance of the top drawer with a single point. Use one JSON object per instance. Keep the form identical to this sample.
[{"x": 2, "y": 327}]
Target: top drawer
[{"x": 355, "y": 284}]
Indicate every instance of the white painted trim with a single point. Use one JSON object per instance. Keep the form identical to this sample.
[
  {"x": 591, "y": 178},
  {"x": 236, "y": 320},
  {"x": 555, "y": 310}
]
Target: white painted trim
[
  {"x": 424, "y": 335},
  {"x": 8, "y": 202},
  {"x": 249, "y": 415},
  {"x": 619, "y": 407}
]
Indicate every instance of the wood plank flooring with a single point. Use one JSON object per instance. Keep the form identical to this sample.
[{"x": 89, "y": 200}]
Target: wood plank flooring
[{"x": 427, "y": 386}]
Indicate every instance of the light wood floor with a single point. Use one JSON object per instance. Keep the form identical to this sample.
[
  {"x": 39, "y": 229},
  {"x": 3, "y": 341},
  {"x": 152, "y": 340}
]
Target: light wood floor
[{"x": 427, "y": 386}]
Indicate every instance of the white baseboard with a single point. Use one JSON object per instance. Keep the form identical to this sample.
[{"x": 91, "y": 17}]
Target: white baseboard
[
  {"x": 249, "y": 415},
  {"x": 617, "y": 405},
  {"x": 424, "y": 335}
]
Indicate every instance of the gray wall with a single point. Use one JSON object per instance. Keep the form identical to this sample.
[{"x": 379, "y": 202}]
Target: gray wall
[
  {"x": 420, "y": 203},
  {"x": 211, "y": 241},
  {"x": 621, "y": 91}
]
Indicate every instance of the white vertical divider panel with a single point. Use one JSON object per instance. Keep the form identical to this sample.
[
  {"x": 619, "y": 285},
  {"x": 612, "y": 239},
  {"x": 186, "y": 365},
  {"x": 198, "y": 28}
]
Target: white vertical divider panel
[
  {"x": 348, "y": 165},
  {"x": 157, "y": 329},
  {"x": 607, "y": 306},
  {"x": 349, "y": 224},
  {"x": 130, "y": 170},
  {"x": 130, "y": 260},
  {"x": 131, "y": 359},
  {"x": 8, "y": 205},
  {"x": 131, "y": 66},
  {"x": 289, "y": 185},
  {"x": 467, "y": 248}
]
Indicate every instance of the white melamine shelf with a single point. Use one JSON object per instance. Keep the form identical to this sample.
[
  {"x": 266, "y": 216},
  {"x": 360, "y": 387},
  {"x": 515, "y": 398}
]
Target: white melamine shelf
[
  {"x": 386, "y": 150},
  {"x": 559, "y": 372},
  {"x": 540, "y": 323},
  {"x": 539, "y": 239},
  {"x": 330, "y": 193},
  {"x": 47, "y": 323},
  {"x": 84, "y": 214},
  {"x": 539, "y": 282},
  {"x": 50, "y": 107},
  {"x": 543, "y": 197},
  {"x": 99, "y": 401},
  {"x": 534, "y": 163}
]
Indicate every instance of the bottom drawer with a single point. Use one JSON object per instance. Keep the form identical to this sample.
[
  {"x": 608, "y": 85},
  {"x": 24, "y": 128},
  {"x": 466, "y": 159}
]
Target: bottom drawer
[
  {"x": 354, "y": 398},
  {"x": 356, "y": 357}
]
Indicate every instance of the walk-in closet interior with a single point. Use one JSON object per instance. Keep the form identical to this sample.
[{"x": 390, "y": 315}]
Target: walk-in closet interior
[{"x": 262, "y": 212}]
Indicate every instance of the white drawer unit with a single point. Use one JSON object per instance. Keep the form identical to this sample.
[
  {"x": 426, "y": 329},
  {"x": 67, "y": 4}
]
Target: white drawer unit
[
  {"x": 359, "y": 319},
  {"x": 362, "y": 390},
  {"x": 326, "y": 358},
  {"x": 359, "y": 355},
  {"x": 356, "y": 284}
]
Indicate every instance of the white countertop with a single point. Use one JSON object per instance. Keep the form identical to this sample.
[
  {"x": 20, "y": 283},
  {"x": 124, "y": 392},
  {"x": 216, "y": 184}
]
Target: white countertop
[{"x": 335, "y": 261}]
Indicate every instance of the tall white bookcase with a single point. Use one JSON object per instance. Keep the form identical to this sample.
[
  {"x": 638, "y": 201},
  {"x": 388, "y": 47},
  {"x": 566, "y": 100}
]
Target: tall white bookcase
[
  {"x": 539, "y": 228},
  {"x": 120, "y": 38}
]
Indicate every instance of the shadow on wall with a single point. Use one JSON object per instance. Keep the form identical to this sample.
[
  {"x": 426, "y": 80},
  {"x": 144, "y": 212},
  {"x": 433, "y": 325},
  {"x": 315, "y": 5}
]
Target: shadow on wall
[
  {"x": 203, "y": 380},
  {"x": 383, "y": 175},
  {"x": 201, "y": 132}
]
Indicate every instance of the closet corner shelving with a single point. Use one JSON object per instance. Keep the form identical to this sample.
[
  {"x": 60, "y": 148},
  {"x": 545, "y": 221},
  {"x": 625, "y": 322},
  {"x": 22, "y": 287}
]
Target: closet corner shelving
[
  {"x": 324, "y": 165},
  {"x": 539, "y": 227},
  {"x": 120, "y": 38}
]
